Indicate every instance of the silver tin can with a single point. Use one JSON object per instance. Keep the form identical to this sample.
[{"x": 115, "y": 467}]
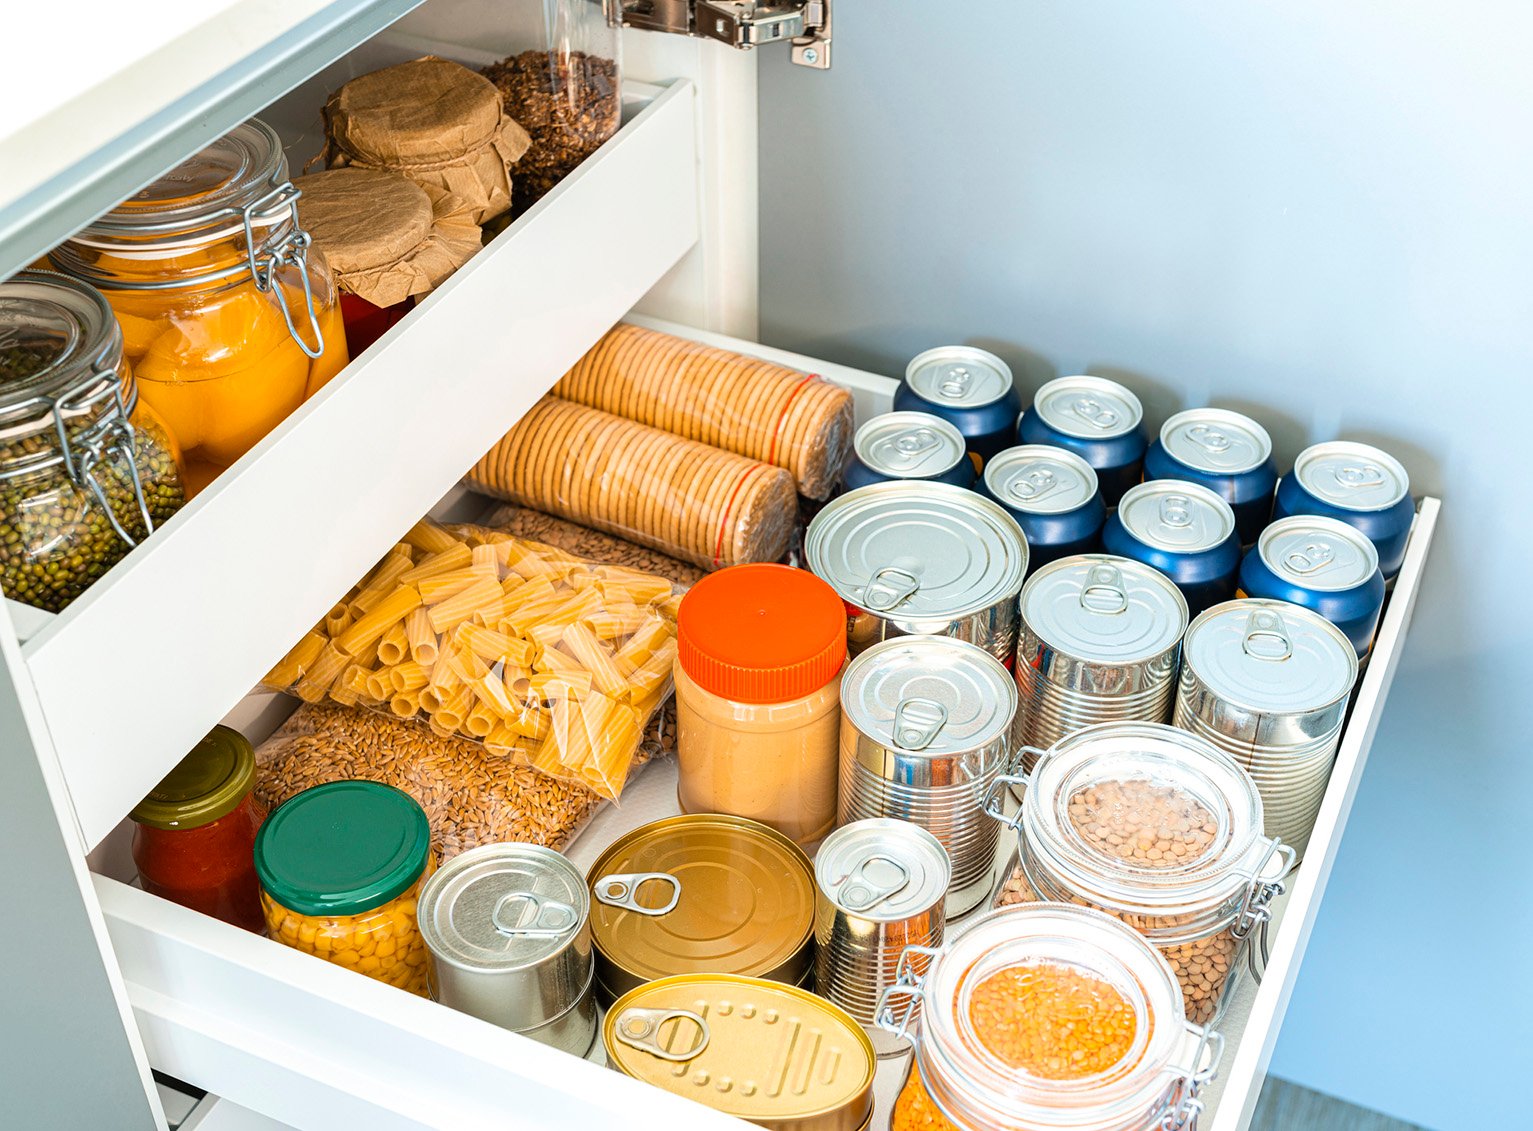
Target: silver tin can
[
  {"x": 508, "y": 927},
  {"x": 925, "y": 726},
  {"x": 921, "y": 559},
  {"x": 882, "y": 886},
  {"x": 1100, "y": 642},
  {"x": 1268, "y": 682}
]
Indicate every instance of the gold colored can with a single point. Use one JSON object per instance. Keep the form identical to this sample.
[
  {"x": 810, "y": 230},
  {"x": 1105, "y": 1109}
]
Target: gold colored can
[
  {"x": 703, "y": 893},
  {"x": 758, "y": 1050}
]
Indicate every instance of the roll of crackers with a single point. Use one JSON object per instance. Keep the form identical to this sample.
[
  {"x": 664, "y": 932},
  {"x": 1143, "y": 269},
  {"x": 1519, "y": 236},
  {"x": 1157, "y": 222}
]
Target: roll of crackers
[
  {"x": 690, "y": 500},
  {"x": 753, "y": 408}
]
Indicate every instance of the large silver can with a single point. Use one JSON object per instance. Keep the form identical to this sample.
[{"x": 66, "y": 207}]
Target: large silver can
[
  {"x": 1100, "y": 641},
  {"x": 1268, "y": 682},
  {"x": 921, "y": 559},
  {"x": 881, "y": 885},
  {"x": 925, "y": 729},
  {"x": 508, "y": 927}
]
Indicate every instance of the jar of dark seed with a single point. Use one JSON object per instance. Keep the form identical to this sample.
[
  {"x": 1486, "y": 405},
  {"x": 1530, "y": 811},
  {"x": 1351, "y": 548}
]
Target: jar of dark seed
[{"x": 86, "y": 470}]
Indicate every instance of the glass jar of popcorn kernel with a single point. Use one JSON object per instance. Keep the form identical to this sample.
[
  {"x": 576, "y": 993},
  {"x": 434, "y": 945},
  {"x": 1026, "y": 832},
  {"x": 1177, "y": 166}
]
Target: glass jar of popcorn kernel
[{"x": 340, "y": 867}]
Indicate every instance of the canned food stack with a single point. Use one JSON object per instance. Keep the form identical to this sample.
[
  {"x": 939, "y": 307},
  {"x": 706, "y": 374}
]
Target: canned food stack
[
  {"x": 1097, "y": 419},
  {"x": 1053, "y": 495},
  {"x": 921, "y": 559},
  {"x": 1268, "y": 682},
  {"x": 924, "y": 731},
  {"x": 881, "y": 887},
  {"x": 1100, "y": 642},
  {"x": 1226, "y": 452},
  {"x": 971, "y": 389},
  {"x": 1161, "y": 830}
]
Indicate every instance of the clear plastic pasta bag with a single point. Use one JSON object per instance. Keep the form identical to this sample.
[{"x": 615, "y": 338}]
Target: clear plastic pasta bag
[{"x": 537, "y": 655}]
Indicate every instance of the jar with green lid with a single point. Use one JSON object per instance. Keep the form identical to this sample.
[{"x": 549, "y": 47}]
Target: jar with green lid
[
  {"x": 341, "y": 866},
  {"x": 195, "y": 839},
  {"x": 87, "y": 471}
]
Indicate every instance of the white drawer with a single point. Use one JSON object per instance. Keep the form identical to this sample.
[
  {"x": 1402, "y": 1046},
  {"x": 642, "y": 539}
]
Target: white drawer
[{"x": 315, "y": 1046}]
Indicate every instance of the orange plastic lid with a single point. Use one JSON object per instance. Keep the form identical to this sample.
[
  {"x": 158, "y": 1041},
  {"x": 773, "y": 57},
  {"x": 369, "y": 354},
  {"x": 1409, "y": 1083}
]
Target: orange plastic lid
[{"x": 761, "y": 633}]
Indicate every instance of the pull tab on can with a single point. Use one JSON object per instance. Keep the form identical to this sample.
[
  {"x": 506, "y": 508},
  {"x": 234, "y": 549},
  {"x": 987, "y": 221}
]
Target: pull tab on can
[
  {"x": 1359, "y": 476},
  {"x": 908, "y": 449},
  {"x": 955, "y": 381},
  {"x": 1103, "y": 590},
  {"x": 1267, "y": 637},
  {"x": 1094, "y": 413},
  {"x": 640, "y": 1029},
  {"x": 528, "y": 915},
  {"x": 858, "y": 891},
  {"x": 1032, "y": 485},
  {"x": 917, "y": 722},
  {"x": 887, "y": 588},
  {"x": 621, "y": 889},
  {"x": 1176, "y": 511},
  {"x": 1209, "y": 438},
  {"x": 1309, "y": 558}
]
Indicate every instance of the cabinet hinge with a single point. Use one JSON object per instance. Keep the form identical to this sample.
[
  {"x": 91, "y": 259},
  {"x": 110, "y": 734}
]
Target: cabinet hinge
[{"x": 740, "y": 23}]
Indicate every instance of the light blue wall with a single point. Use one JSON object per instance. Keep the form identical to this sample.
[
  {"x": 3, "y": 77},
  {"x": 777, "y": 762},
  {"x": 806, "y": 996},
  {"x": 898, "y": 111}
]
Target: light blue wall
[{"x": 1321, "y": 212}]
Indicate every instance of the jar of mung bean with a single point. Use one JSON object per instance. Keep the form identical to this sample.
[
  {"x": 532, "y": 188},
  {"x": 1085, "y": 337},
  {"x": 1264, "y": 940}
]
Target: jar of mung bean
[
  {"x": 87, "y": 471},
  {"x": 340, "y": 867},
  {"x": 1160, "y": 829},
  {"x": 1047, "y": 1016}
]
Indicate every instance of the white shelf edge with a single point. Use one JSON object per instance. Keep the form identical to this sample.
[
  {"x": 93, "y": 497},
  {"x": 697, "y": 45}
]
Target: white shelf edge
[{"x": 193, "y": 618}]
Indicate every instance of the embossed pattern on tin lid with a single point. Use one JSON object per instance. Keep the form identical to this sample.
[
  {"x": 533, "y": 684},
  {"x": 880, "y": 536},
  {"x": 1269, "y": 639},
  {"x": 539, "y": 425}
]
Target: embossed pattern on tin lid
[
  {"x": 1104, "y": 608},
  {"x": 1351, "y": 475},
  {"x": 959, "y": 376},
  {"x": 1216, "y": 440},
  {"x": 1318, "y": 553},
  {"x": 1175, "y": 516},
  {"x": 1040, "y": 479},
  {"x": 1091, "y": 408},
  {"x": 928, "y": 694},
  {"x": 1270, "y": 656},
  {"x": 909, "y": 445}
]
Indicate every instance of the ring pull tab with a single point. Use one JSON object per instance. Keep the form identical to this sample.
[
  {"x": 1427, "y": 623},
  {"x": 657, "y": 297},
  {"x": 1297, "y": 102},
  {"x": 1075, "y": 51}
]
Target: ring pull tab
[
  {"x": 955, "y": 381},
  {"x": 1209, "y": 438},
  {"x": 1360, "y": 475},
  {"x": 908, "y": 448},
  {"x": 887, "y": 588},
  {"x": 1176, "y": 510},
  {"x": 1311, "y": 557},
  {"x": 528, "y": 915},
  {"x": 640, "y": 1029},
  {"x": 1094, "y": 412},
  {"x": 1267, "y": 637},
  {"x": 916, "y": 723},
  {"x": 1033, "y": 484},
  {"x": 1103, "y": 591},
  {"x": 857, "y": 891},
  {"x": 621, "y": 889}
]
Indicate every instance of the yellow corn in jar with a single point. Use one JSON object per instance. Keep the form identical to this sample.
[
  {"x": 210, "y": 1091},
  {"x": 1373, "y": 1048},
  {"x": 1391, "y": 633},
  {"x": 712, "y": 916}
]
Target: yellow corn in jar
[
  {"x": 229, "y": 317},
  {"x": 341, "y": 866}
]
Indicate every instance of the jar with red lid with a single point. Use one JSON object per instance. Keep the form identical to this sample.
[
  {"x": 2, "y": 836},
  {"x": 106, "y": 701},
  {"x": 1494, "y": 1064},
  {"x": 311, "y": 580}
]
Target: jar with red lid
[{"x": 195, "y": 841}]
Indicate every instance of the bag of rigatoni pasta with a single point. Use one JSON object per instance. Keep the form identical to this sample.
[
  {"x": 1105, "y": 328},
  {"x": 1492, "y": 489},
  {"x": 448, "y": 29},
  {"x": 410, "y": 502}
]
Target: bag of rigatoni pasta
[{"x": 537, "y": 654}]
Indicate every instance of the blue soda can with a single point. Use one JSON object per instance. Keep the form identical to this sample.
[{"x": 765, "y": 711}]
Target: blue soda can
[
  {"x": 1226, "y": 452},
  {"x": 909, "y": 445},
  {"x": 1324, "y": 565},
  {"x": 1362, "y": 486},
  {"x": 1097, "y": 419},
  {"x": 969, "y": 388},
  {"x": 1185, "y": 531},
  {"x": 1053, "y": 495}
]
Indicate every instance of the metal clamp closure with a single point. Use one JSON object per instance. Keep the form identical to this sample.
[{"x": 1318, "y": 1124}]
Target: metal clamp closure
[
  {"x": 742, "y": 24},
  {"x": 887, "y": 588},
  {"x": 1033, "y": 484},
  {"x": 1094, "y": 412},
  {"x": 621, "y": 889},
  {"x": 528, "y": 915},
  {"x": 1103, "y": 590},
  {"x": 112, "y": 435},
  {"x": 857, "y": 891},
  {"x": 909, "y": 983},
  {"x": 640, "y": 1029},
  {"x": 291, "y": 250},
  {"x": 994, "y": 803},
  {"x": 1310, "y": 557},
  {"x": 1182, "y": 1114},
  {"x": 1266, "y": 637},
  {"x": 1255, "y": 911},
  {"x": 917, "y": 723}
]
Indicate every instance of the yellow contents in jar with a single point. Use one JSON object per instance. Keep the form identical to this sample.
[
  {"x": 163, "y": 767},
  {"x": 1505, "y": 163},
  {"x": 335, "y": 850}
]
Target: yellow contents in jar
[{"x": 384, "y": 943}]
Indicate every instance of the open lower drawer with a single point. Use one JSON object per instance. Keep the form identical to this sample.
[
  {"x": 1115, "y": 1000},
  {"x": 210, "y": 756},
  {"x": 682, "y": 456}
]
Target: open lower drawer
[{"x": 315, "y": 1046}]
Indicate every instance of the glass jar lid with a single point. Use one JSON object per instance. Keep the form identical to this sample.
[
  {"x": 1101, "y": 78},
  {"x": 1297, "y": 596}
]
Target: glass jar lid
[
  {"x": 989, "y": 1057},
  {"x": 342, "y": 848},
  {"x": 207, "y": 784},
  {"x": 1146, "y": 819},
  {"x": 1271, "y": 657}
]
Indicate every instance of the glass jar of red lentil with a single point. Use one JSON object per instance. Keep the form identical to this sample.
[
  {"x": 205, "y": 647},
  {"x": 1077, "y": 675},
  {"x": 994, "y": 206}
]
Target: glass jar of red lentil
[
  {"x": 1160, "y": 829},
  {"x": 1047, "y": 1016},
  {"x": 195, "y": 840}
]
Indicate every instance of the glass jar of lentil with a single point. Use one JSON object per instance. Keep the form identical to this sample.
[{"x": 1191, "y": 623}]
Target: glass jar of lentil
[
  {"x": 341, "y": 866},
  {"x": 195, "y": 840},
  {"x": 87, "y": 470},
  {"x": 1048, "y": 1016},
  {"x": 1164, "y": 831}
]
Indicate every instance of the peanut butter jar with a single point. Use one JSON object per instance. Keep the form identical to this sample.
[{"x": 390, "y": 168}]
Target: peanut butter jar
[{"x": 758, "y": 698}]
